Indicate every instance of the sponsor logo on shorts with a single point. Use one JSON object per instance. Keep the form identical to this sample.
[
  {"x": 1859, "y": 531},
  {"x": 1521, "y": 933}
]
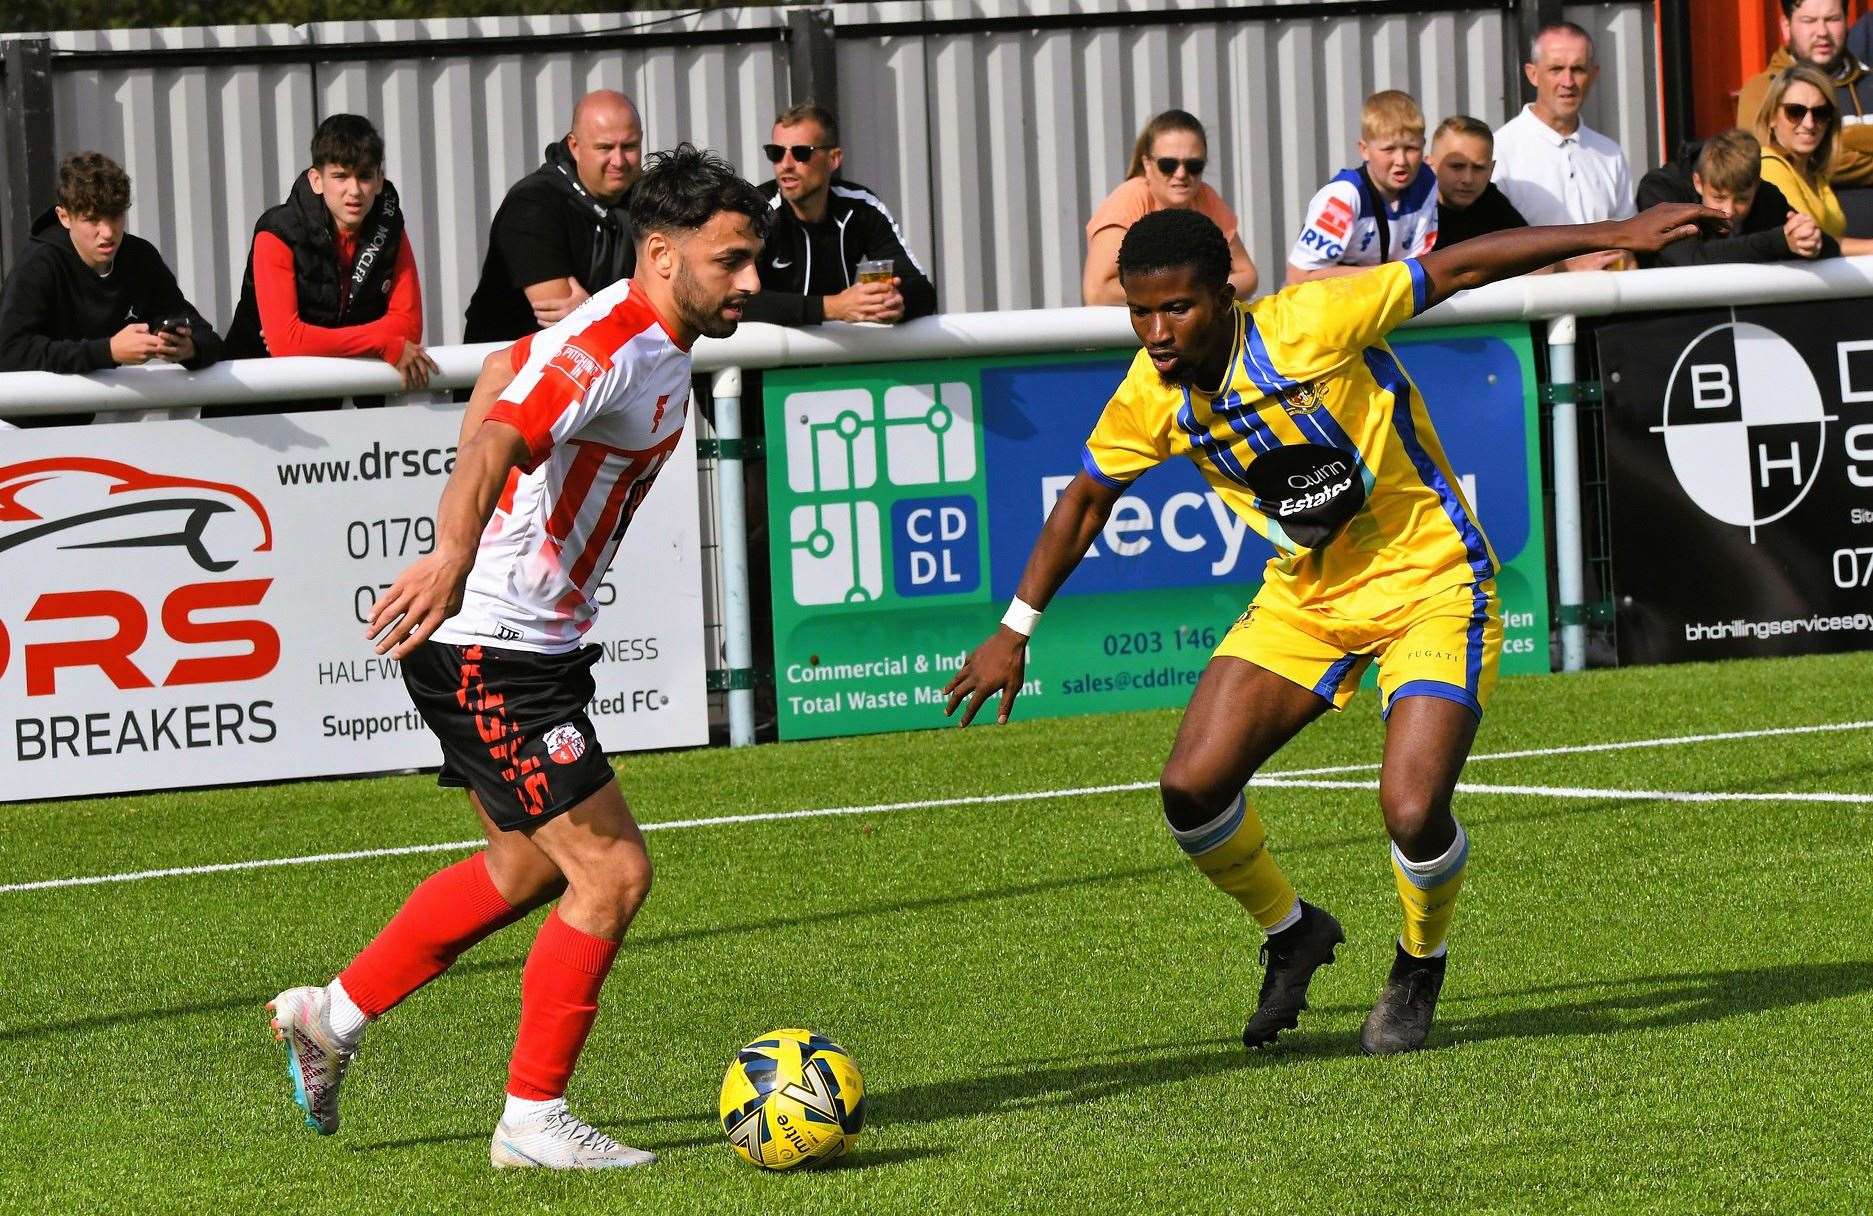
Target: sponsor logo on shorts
[
  {"x": 576, "y": 365},
  {"x": 564, "y": 743}
]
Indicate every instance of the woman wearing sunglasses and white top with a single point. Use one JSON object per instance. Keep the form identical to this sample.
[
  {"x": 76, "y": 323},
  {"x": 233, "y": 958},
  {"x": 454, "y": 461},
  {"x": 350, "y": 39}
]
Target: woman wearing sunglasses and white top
[
  {"x": 1799, "y": 124},
  {"x": 1166, "y": 173}
]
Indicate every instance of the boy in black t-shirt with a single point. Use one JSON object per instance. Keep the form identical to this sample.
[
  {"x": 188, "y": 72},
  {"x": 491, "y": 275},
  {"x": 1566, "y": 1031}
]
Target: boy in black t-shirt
[{"x": 1468, "y": 204}]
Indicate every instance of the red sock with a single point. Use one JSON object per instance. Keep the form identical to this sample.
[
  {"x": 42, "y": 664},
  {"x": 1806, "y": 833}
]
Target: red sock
[
  {"x": 558, "y": 1004},
  {"x": 451, "y": 911}
]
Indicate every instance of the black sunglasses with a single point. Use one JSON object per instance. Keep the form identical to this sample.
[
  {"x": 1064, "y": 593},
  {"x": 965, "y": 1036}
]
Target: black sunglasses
[
  {"x": 1167, "y": 165},
  {"x": 1797, "y": 113},
  {"x": 802, "y": 153}
]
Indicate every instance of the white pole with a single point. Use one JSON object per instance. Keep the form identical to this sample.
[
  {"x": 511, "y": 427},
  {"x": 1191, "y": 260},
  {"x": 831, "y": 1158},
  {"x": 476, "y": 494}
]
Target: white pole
[
  {"x": 1570, "y": 566},
  {"x": 738, "y": 633}
]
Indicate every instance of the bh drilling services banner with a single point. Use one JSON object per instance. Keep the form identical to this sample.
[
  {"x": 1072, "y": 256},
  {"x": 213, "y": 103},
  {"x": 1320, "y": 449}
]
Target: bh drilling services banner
[
  {"x": 184, "y": 602},
  {"x": 903, "y": 500},
  {"x": 1740, "y": 454}
]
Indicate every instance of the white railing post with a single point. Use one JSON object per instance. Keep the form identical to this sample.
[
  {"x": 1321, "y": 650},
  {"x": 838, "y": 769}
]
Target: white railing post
[
  {"x": 737, "y": 632},
  {"x": 1570, "y": 565}
]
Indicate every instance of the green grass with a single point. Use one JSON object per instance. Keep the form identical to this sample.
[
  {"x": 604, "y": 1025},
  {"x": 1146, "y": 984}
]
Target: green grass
[{"x": 1652, "y": 1006}]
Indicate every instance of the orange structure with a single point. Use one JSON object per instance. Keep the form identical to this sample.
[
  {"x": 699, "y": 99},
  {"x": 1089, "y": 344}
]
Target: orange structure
[{"x": 1730, "y": 41}]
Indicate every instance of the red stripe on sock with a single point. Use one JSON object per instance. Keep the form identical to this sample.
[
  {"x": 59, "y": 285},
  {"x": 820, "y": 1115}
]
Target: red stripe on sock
[
  {"x": 451, "y": 911},
  {"x": 558, "y": 1004}
]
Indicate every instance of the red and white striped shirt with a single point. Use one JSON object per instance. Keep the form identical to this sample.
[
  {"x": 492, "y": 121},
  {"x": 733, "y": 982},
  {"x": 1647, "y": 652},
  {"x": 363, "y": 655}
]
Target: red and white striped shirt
[{"x": 602, "y": 398}]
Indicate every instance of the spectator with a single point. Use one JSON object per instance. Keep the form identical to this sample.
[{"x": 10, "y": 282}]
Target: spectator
[
  {"x": 824, "y": 226},
  {"x": 1166, "y": 173},
  {"x": 1385, "y": 210},
  {"x": 1725, "y": 173},
  {"x": 1468, "y": 203},
  {"x": 1814, "y": 32},
  {"x": 85, "y": 295},
  {"x": 1554, "y": 168},
  {"x": 1798, "y": 124},
  {"x": 330, "y": 270},
  {"x": 561, "y": 234}
]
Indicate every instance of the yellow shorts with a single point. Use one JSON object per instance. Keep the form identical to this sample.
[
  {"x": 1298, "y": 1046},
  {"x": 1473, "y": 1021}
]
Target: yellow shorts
[{"x": 1447, "y": 645}]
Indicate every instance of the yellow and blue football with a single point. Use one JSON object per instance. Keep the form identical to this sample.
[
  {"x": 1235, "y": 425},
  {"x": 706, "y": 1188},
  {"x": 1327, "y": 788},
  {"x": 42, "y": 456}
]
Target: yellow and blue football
[{"x": 791, "y": 1098}]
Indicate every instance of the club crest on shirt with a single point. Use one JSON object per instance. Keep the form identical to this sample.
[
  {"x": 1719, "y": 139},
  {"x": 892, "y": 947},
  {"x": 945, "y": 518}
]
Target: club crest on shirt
[
  {"x": 1303, "y": 399},
  {"x": 576, "y": 365},
  {"x": 564, "y": 743}
]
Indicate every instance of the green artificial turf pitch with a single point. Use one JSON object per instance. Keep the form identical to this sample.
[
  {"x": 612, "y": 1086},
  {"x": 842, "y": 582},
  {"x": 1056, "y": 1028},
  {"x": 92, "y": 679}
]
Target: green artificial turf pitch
[{"x": 1652, "y": 1005}]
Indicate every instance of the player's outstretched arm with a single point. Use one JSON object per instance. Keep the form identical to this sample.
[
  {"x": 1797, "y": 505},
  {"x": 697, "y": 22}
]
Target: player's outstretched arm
[
  {"x": 1503, "y": 255},
  {"x": 429, "y": 591},
  {"x": 998, "y": 664}
]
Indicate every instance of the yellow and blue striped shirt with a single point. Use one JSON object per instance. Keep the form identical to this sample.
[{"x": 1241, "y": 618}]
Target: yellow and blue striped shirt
[{"x": 1310, "y": 370}]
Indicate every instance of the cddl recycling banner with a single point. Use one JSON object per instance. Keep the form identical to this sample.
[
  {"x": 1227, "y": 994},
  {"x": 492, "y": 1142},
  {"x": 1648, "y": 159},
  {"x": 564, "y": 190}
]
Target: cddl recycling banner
[
  {"x": 183, "y": 603},
  {"x": 903, "y": 500},
  {"x": 1740, "y": 472}
]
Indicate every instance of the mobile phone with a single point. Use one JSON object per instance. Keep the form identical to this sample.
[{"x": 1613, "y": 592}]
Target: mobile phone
[{"x": 173, "y": 325}]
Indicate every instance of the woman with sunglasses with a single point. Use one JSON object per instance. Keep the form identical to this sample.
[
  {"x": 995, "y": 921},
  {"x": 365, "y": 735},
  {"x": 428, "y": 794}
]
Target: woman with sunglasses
[
  {"x": 1166, "y": 174},
  {"x": 1799, "y": 125}
]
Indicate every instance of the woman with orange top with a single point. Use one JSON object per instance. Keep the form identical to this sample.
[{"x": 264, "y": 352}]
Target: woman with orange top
[{"x": 1166, "y": 173}]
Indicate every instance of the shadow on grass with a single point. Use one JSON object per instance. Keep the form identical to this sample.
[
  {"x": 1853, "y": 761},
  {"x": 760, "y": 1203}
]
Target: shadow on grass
[{"x": 1599, "y": 1007}]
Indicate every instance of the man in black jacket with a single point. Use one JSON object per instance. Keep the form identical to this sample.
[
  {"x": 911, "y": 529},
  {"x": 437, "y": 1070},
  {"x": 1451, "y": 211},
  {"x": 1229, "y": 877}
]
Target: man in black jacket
[
  {"x": 823, "y": 228},
  {"x": 86, "y": 295},
  {"x": 561, "y": 234},
  {"x": 1725, "y": 172}
]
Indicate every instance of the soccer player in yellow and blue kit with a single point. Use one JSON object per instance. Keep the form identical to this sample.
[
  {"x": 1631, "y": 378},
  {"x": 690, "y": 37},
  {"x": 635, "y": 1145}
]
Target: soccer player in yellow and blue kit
[{"x": 1304, "y": 422}]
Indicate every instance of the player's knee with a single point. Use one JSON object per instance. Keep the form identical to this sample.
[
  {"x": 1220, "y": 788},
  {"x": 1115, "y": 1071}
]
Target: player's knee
[
  {"x": 1415, "y": 817},
  {"x": 621, "y": 880},
  {"x": 1189, "y": 800}
]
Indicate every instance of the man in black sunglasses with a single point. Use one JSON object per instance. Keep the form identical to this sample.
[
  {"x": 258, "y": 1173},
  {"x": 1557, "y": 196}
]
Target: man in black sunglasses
[{"x": 824, "y": 228}]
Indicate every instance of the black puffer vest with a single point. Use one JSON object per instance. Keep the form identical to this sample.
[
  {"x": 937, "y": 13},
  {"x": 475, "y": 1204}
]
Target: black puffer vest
[{"x": 326, "y": 298}]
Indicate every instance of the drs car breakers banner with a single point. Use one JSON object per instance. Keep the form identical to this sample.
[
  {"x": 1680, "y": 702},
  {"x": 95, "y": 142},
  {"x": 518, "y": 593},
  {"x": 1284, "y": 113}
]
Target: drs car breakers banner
[
  {"x": 903, "y": 500},
  {"x": 184, "y": 602},
  {"x": 1740, "y": 468}
]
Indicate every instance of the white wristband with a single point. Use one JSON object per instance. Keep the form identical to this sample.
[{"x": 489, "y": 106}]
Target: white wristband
[{"x": 1021, "y": 617}]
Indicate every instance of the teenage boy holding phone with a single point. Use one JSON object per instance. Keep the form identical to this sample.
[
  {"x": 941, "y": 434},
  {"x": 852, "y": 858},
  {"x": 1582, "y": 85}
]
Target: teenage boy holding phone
[{"x": 85, "y": 295}]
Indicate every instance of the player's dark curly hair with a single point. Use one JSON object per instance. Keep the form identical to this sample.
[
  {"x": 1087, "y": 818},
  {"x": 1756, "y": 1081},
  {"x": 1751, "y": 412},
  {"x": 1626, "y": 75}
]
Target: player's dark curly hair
[
  {"x": 682, "y": 188},
  {"x": 1172, "y": 238}
]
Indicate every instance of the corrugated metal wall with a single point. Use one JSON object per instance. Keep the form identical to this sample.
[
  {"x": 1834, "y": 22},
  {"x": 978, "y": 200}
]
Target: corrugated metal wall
[{"x": 993, "y": 144}]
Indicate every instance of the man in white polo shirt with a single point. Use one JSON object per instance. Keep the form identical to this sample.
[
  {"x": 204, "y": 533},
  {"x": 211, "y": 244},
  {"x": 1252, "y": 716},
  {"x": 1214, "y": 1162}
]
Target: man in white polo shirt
[{"x": 1553, "y": 167}]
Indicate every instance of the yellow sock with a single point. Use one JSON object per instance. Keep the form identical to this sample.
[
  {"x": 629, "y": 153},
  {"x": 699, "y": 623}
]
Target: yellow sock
[
  {"x": 1428, "y": 890},
  {"x": 1232, "y": 851}
]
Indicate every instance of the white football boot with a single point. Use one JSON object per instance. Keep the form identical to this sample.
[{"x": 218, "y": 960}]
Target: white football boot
[
  {"x": 557, "y": 1139},
  {"x": 316, "y": 1058}
]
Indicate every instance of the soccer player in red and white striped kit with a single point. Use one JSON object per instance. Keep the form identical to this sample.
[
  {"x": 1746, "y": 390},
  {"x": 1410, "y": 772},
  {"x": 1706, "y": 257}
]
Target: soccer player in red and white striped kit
[{"x": 561, "y": 440}]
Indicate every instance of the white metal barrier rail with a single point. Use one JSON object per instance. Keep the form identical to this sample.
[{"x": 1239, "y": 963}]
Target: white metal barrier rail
[{"x": 1556, "y": 299}]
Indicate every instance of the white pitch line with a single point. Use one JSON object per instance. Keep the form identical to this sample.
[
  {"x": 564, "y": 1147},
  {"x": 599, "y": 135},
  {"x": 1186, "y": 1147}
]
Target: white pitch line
[
  {"x": 454, "y": 846},
  {"x": 1577, "y": 749},
  {"x": 1571, "y": 791},
  {"x": 1296, "y": 778}
]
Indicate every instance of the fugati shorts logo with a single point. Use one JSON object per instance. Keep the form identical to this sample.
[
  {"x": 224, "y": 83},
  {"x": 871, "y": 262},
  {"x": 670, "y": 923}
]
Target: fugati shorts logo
[
  {"x": 1745, "y": 425},
  {"x": 564, "y": 743}
]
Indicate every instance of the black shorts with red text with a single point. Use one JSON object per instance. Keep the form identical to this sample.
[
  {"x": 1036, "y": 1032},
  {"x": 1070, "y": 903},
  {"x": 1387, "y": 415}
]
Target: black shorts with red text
[{"x": 513, "y": 726}]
